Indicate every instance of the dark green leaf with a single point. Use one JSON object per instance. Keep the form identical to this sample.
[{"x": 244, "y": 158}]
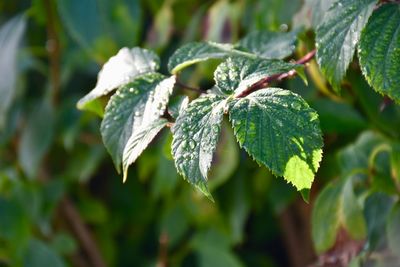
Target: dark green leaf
[
  {"x": 393, "y": 229},
  {"x": 134, "y": 104},
  {"x": 177, "y": 104},
  {"x": 325, "y": 217},
  {"x": 338, "y": 36},
  {"x": 36, "y": 138},
  {"x": 196, "y": 134},
  {"x": 271, "y": 45},
  {"x": 119, "y": 70},
  {"x": 39, "y": 255},
  {"x": 192, "y": 53},
  {"x": 278, "y": 129},
  {"x": 11, "y": 34},
  {"x": 337, "y": 206},
  {"x": 139, "y": 140},
  {"x": 238, "y": 73},
  {"x": 379, "y": 51}
]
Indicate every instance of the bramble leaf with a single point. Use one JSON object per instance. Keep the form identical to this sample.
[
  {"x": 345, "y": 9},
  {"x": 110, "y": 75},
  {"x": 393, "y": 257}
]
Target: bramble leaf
[
  {"x": 338, "y": 36},
  {"x": 195, "y": 52},
  {"x": 271, "y": 45},
  {"x": 379, "y": 51},
  {"x": 135, "y": 104},
  {"x": 238, "y": 73},
  {"x": 278, "y": 129},
  {"x": 138, "y": 142},
  {"x": 195, "y": 136},
  {"x": 119, "y": 70}
]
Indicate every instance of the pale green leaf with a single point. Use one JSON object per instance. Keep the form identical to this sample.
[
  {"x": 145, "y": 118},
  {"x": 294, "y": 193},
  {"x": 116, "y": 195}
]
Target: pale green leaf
[
  {"x": 195, "y": 52},
  {"x": 271, "y": 45},
  {"x": 196, "y": 132},
  {"x": 325, "y": 217},
  {"x": 393, "y": 229},
  {"x": 337, "y": 206},
  {"x": 39, "y": 255},
  {"x": 11, "y": 34},
  {"x": 379, "y": 51},
  {"x": 134, "y": 104},
  {"x": 278, "y": 129},
  {"x": 338, "y": 36},
  {"x": 318, "y": 10},
  {"x": 139, "y": 140},
  {"x": 238, "y": 73},
  {"x": 119, "y": 70},
  {"x": 36, "y": 138}
]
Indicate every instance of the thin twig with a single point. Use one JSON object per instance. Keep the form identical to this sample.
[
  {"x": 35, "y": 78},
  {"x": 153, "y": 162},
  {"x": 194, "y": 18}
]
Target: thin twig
[
  {"x": 277, "y": 77},
  {"x": 82, "y": 233},
  {"x": 53, "y": 48},
  {"x": 185, "y": 86},
  {"x": 163, "y": 253}
]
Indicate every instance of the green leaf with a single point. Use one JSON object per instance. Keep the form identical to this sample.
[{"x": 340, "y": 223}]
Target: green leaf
[
  {"x": 138, "y": 142},
  {"x": 325, "y": 217},
  {"x": 36, "y": 138},
  {"x": 195, "y": 52},
  {"x": 238, "y": 73},
  {"x": 278, "y": 129},
  {"x": 11, "y": 34},
  {"x": 395, "y": 161},
  {"x": 379, "y": 51},
  {"x": 271, "y": 45},
  {"x": 393, "y": 229},
  {"x": 338, "y": 36},
  {"x": 119, "y": 70},
  {"x": 39, "y": 255},
  {"x": 337, "y": 205},
  {"x": 196, "y": 132},
  {"x": 134, "y": 104},
  {"x": 319, "y": 9}
]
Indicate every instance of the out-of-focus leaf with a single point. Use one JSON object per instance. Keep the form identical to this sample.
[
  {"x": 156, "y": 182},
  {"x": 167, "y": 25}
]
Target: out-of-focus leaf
[
  {"x": 338, "y": 36},
  {"x": 271, "y": 45},
  {"x": 221, "y": 22},
  {"x": 395, "y": 161},
  {"x": 119, "y": 70},
  {"x": 11, "y": 34},
  {"x": 355, "y": 156},
  {"x": 376, "y": 211},
  {"x": 338, "y": 117},
  {"x": 379, "y": 51},
  {"x": 325, "y": 219},
  {"x": 278, "y": 129},
  {"x": 161, "y": 31},
  {"x": 39, "y": 255},
  {"x": 64, "y": 243},
  {"x": 238, "y": 73},
  {"x": 13, "y": 222},
  {"x": 319, "y": 9},
  {"x": 174, "y": 223},
  {"x": 36, "y": 137},
  {"x": 138, "y": 142},
  {"x": 195, "y": 52},
  {"x": 393, "y": 229},
  {"x": 135, "y": 104},
  {"x": 196, "y": 133},
  {"x": 337, "y": 206}
]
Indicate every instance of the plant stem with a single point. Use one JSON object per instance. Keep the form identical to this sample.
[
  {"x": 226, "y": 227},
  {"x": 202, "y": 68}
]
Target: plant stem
[
  {"x": 187, "y": 87},
  {"x": 277, "y": 77}
]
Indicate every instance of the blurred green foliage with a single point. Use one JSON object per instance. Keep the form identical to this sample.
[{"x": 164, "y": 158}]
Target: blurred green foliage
[{"x": 63, "y": 204}]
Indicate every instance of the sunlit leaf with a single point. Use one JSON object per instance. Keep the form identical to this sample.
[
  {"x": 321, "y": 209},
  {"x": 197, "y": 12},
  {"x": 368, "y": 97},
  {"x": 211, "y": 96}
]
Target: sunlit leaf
[
  {"x": 139, "y": 140},
  {"x": 134, "y": 104},
  {"x": 379, "y": 51},
  {"x": 338, "y": 36},
  {"x": 278, "y": 129},
  {"x": 238, "y": 73},
  {"x": 196, "y": 132},
  {"x": 119, "y": 70},
  {"x": 192, "y": 53}
]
